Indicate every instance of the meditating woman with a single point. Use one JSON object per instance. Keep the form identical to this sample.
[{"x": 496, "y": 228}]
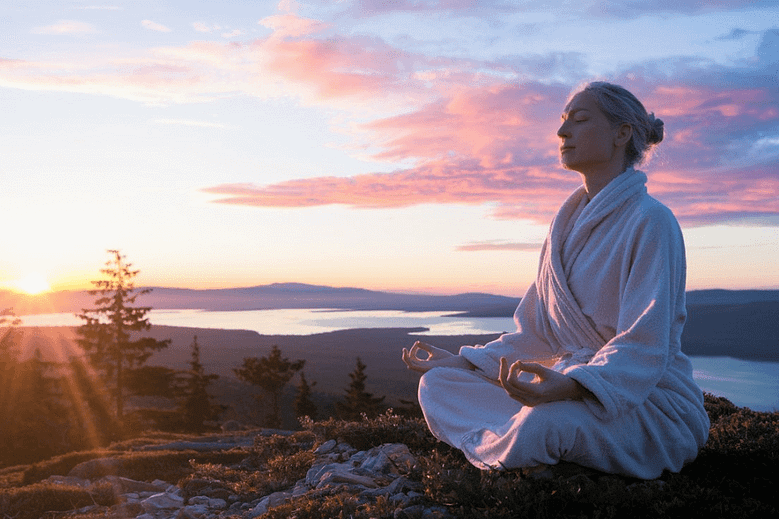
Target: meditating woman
[{"x": 605, "y": 313}]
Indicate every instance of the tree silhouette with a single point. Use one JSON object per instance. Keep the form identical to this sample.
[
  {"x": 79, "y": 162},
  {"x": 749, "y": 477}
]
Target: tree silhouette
[
  {"x": 270, "y": 374},
  {"x": 358, "y": 401},
  {"x": 9, "y": 356},
  {"x": 35, "y": 414},
  {"x": 197, "y": 406},
  {"x": 304, "y": 406},
  {"x": 9, "y": 368},
  {"x": 39, "y": 416},
  {"x": 105, "y": 335}
]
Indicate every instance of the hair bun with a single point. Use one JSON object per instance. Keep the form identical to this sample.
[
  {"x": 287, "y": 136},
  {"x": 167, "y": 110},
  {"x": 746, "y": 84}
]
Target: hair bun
[{"x": 656, "y": 132}]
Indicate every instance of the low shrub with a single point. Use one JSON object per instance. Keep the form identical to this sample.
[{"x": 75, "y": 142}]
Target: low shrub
[
  {"x": 35, "y": 501},
  {"x": 371, "y": 432}
]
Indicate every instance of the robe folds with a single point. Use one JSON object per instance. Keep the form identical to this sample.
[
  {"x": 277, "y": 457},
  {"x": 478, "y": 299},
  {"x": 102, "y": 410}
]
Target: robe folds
[{"x": 607, "y": 309}]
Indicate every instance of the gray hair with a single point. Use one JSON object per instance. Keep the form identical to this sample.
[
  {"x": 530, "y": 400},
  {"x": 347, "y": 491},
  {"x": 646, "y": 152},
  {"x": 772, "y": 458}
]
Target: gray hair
[{"x": 621, "y": 107}]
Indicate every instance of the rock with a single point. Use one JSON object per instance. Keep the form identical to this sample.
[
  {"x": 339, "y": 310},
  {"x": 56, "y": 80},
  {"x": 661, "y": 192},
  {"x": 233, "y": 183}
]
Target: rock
[
  {"x": 193, "y": 512},
  {"x": 126, "y": 485},
  {"x": 273, "y": 500},
  {"x": 341, "y": 477},
  {"x": 388, "y": 458},
  {"x": 368, "y": 475},
  {"x": 326, "y": 447},
  {"x": 200, "y": 446},
  {"x": 127, "y": 509},
  {"x": 96, "y": 468},
  {"x": 162, "y": 501}
]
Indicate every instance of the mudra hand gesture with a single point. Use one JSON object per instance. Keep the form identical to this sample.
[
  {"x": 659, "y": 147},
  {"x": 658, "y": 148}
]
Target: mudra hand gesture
[
  {"x": 433, "y": 358},
  {"x": 547, "y": 386}
]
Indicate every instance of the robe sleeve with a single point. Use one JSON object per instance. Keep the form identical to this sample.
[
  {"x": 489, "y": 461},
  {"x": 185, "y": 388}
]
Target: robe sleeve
[
  {"x": 651, "y": 314},
  {"x": 527, "y": 343}
]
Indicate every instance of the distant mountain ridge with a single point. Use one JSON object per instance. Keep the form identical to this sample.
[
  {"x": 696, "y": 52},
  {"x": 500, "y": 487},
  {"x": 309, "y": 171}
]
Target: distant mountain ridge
[
  {"x": 273, "y": 296},
  {"x": 300, "y": 295}
]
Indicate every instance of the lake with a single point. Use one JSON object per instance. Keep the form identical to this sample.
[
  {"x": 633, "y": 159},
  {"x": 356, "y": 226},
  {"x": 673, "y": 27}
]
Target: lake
[
  {"x": 305, "y": 321},
  {"x": 745, "y": 383}
]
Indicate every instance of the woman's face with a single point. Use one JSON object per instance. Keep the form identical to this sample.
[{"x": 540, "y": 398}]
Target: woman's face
[{"x": 587, "y": 137}]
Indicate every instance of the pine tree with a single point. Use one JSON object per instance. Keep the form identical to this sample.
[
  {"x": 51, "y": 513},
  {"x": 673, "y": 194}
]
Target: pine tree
[
  {"x": 304, "y": 406},
  {"x": 197, "y": 406},
  {"x": 38, "y": 419},
  {"x": 105, "y": 335},
  {"x": 9, "y": 368},
  {"x": 9, "y": 356},
  {"x": 358, "y": 401},
  {"x": 35, "y": 424},
  {"x": 271, "y": 374}
]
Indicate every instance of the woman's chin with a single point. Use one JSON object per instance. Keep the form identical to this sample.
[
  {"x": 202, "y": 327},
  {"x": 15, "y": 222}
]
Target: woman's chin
[{"x": 567, "y": 165}]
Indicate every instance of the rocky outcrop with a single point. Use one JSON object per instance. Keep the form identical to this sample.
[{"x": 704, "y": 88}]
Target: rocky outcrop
[{"x": 368, "y": 475}]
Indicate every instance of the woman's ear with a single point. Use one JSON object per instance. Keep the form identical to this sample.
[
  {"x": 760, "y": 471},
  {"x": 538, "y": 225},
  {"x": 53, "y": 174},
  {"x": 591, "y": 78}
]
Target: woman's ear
[{"x": 623, "y": 135}]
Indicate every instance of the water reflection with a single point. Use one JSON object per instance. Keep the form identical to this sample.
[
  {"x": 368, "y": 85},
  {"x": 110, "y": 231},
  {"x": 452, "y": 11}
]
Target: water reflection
[{"x": 305, "y": 321}]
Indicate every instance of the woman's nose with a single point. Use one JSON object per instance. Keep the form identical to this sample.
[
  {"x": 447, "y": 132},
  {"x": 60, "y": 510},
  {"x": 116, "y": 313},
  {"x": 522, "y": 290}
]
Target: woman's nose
[{"x": 563, "y": 130}]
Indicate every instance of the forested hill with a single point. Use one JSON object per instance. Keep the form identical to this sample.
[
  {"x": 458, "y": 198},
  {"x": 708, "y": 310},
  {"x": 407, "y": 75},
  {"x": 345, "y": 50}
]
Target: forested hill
[
  {"x": 296, "y": 295},
  {"x": 278, "y": 295}
]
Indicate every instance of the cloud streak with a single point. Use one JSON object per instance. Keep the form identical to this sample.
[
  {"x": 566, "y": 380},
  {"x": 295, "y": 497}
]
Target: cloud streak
[
  {"x": 154, "y": 26},
  {"x": 491, "y": 246},
  {"x": 66, "y": 28}
]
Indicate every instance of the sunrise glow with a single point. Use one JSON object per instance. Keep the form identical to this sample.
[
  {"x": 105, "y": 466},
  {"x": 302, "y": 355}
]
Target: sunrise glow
[
  {"x": 405, "y": 146},
  {"x": 32, "y": 284}
]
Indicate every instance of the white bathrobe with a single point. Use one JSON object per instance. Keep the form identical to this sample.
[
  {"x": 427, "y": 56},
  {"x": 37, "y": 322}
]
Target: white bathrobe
[{"x": 607, "y": 308}]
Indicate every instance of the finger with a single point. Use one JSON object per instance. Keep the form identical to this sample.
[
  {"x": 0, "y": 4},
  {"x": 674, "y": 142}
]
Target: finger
[
  {"x": 504, "y": 377},
  {"x": 406, "y": 358},
  {"x": 535, "y": 368},
  {"x": 414, "y": 353},
  {"x": 423, "y": 346},
  {"x": 515, "y": 369},
  {"x": 503, "y": 374}
]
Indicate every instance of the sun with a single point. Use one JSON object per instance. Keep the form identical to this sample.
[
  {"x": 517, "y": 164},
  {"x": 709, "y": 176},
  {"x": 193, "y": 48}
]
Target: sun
[{"x": 33, "y": 284}]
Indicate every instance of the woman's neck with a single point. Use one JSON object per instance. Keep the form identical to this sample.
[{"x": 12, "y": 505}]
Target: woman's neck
[{"x": 594, "y": 182}]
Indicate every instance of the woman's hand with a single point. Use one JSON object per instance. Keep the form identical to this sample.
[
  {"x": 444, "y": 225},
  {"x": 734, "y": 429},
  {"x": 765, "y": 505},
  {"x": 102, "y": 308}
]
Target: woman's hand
[
  {"x": 433, "y": 358},
  {"x": 547, "y": 386}
]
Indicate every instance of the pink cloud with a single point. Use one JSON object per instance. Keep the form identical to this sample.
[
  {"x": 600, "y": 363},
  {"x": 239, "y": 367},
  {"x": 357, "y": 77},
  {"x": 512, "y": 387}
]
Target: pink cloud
[
  {"x": 285, "y": 25},
  {"x": 432, "y": 183},
  {"x": 505, "y": 124}
]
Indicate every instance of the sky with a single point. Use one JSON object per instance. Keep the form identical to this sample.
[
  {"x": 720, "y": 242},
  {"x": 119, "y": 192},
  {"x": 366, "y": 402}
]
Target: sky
[{"x": 406, "y": 146}]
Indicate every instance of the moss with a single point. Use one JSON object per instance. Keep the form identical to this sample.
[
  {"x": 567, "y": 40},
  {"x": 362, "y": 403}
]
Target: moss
[
  {"x": 371, "y": 432},
  {"x": 34, "y": 501},
  {"x": 339, "y": 505},
  {"x": 59, "y": 465}
]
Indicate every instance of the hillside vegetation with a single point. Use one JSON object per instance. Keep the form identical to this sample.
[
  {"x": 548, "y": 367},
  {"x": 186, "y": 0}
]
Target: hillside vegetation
[{"x": 734, "y": 476}]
